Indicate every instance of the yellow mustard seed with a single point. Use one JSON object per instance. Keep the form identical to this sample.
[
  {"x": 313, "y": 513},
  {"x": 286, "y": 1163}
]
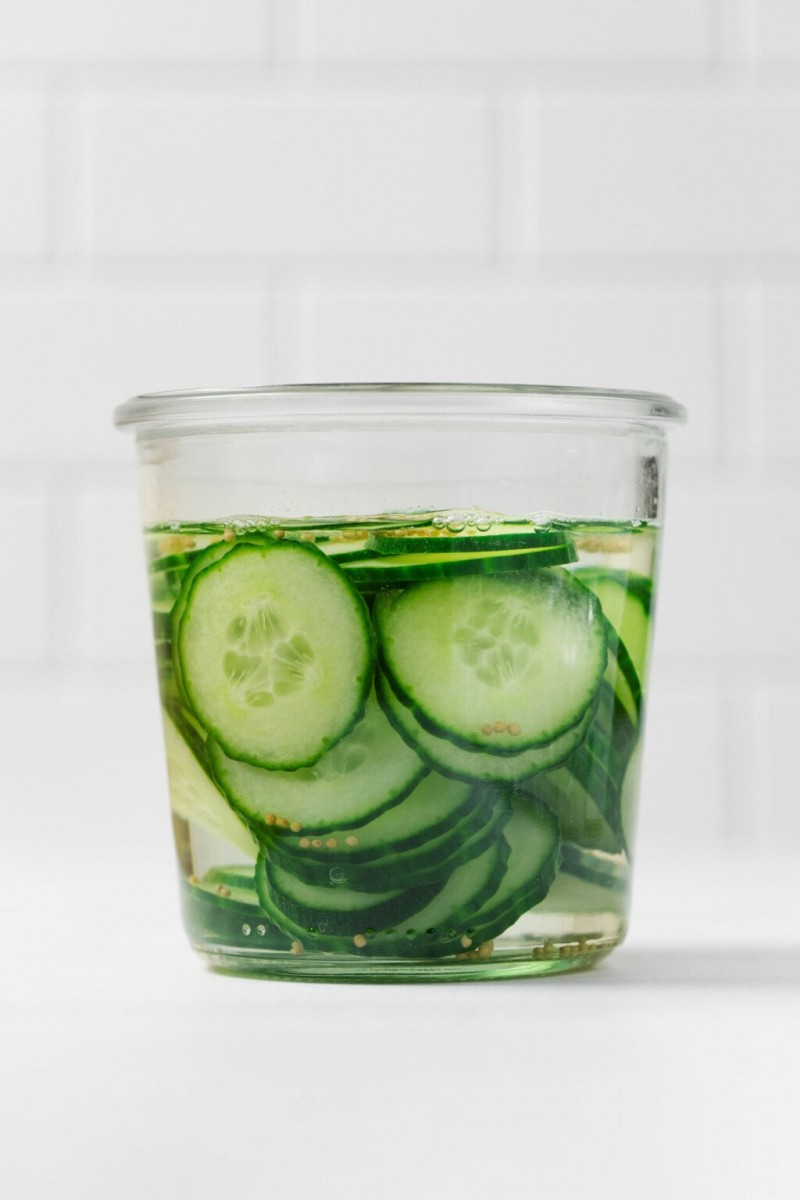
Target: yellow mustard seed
[{"x": 359, "y": 941}]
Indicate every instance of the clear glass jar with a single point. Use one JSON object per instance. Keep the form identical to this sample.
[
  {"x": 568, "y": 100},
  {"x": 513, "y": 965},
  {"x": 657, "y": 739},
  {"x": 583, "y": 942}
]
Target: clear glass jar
[{"x": 402, "y": 635}]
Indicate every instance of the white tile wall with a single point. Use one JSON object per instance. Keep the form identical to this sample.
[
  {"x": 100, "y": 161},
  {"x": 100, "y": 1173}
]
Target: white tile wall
[
  {"x": 650, "y": 174},
  {"x": 662, "y": 338},
  {"x": 23, "y": 154},
  {"x": 147, "y": 31},
  {"x": 594, "y": 193},
  {"x": 324, "y": 175},
  {"x": 411, "y": 31},
  {"x": 69, "y": 353}
]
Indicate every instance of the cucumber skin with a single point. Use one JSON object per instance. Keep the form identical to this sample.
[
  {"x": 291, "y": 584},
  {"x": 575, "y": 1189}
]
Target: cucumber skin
[
  {"x": 199, "y": 568},
  {"x": 385, "y": 944},
  {"x": 427, "y": 722},
  {"x": 411, "y": 869},
  {"x": 211, "y": 919},
  {"x": 392, "y": 570},
  {"x": 340, "y": 922},
  {"x": 482, "y": 771}
]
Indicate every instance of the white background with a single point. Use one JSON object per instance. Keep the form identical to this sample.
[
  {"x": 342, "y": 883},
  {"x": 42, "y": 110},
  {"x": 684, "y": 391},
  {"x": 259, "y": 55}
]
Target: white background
[{"x": 601, "y": 192}]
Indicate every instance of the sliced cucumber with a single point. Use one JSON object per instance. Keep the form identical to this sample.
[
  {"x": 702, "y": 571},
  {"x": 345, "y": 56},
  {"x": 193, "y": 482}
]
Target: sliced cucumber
[
  {"x": 194, "y": 796},
  {"x": 389, "y": 570},
  {"x": 458, "y": 763},
  {"x": 333, "y": 909},
  {"x": 585, "y": 791},
  {"x": 533, "y": 856},
  {"x": 386, "y": 855},
  {"x": 440, "y": 540},
  {"x": 275, "y": 653},
  {"x": 436, "y": 928},
  {"x": 498, "y": 664},
  {"x": 223, "y": 909},
  {"x": 626, "y": 600},
  {"x": 368, "y": 771},
  {"x": 604, "y": 870}
]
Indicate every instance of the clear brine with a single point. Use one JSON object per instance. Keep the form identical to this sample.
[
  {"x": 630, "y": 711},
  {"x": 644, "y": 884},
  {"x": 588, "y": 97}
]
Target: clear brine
[{"x": 413, "y": 737}]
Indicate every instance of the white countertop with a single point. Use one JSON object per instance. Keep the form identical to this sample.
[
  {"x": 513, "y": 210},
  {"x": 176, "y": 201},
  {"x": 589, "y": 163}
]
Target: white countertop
[{"x": 670, "y": 1070}]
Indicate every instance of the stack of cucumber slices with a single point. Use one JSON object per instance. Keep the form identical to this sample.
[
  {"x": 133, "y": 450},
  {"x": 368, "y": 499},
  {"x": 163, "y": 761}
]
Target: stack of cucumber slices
[{"x": 411, "y": 729}]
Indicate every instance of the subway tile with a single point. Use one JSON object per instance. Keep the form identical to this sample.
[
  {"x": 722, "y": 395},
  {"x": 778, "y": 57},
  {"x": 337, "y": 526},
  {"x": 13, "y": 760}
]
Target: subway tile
[
  {"x": 113, "y": 611},
  {"x": 68, "y": 356},
  {"x": 682, "y": 798},
  {"x": 779, "y": 29},
  {"x": 728, "y": 590},
  {"x": 25, "y": 584},
  {"x": 87, "y": 770},
  {"x": 656, "y": 338},
  {"x": 516, "y": 30},
  {"x": 324, "y": 175},
  {"x": 23, "y": 153},
  {"x": 778, "y": 764},
  {"x": 655, "y": 175},
  {"x": 780, "y": 348},
  {"x": 132, "y": 31}
]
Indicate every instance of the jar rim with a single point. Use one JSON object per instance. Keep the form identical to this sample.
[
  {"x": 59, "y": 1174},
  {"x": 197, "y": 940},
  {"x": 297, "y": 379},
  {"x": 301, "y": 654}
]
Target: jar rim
[{"x": 286, "y": 403}]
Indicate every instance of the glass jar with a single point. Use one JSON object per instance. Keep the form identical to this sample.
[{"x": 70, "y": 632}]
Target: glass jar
[{"x": 402, "y": 634}]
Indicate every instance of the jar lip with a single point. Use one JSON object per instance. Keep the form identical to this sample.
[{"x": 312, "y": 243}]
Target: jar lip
[{"x": 285, "y": 403}]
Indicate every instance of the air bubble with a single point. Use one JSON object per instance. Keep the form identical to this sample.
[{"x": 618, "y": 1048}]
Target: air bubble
[
  {"x": 246, "y": 930},
  {"x": 261, "y": 930}
]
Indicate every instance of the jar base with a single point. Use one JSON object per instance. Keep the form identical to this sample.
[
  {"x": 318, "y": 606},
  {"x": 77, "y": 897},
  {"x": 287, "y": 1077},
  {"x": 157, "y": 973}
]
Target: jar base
[{"x": 507, "y": 962}]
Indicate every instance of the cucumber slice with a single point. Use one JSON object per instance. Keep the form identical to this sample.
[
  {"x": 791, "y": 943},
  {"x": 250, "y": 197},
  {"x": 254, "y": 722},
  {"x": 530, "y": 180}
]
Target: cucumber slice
[
  {"x": 418, "y": 867},
  {"x": 334, "y": 909},
  {"x": 458, "y": 763},
  {"x": 275, "y": 653},
  {"x": 626, "y": 599},
  {"x": 222, "y": 908},
  {"x": 368, "y": 771},
  {"x": 604, "y": 870},
  {"x": 434, "y": 540},
  {"x": 194, "y": 796},
  {"x": 585, "y": 791},
  {"x": 437, "y": 927},
  {"x": 434, "y": 806},
  {"x": 498, "y": 664},
  {"x": 389, "y": 570},
  {"x": 533, "y": 856}
]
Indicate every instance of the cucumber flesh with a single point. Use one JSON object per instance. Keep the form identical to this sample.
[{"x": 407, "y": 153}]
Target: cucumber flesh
[
  {"x": 390, "y": 569},
  {"x": 194, "y": 796},
  {"x": 369, "y": 771},
  {"x": 449, "y": 844},
  {"x": 459, "y": 763},
  {"x": 499, "y": 664},
  {"x": 275, "y": 653}
]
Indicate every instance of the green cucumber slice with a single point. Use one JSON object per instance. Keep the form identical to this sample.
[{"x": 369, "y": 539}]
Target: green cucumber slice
[
  {"x": 585, "y": 791},
  {"x": 458, "y": 763},
  {"x": 534, "y": 842},
  {"x": 333, "y": 909},
  {"x": 392, "y": 569},
  {"x": 499, "y": 664},
  {"x": 194, "y": 796},
  {"x": 416, "y": 867},
  {"x": 275, "y": 653},
  {"x": 369, "y": 770},
  {"x": 434, "y": 540},
  {"x": 431, "y": 808},
  {"x": 223, "y": 909},
  {"x": 604, "y": 870},
  {"x": 435, "y": 929},
  {"x": 626, "y": 599}
]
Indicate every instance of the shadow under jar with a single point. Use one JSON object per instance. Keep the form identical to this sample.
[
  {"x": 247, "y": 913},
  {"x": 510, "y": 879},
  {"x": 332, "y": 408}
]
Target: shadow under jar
[{"x": 402, "y": 636}]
